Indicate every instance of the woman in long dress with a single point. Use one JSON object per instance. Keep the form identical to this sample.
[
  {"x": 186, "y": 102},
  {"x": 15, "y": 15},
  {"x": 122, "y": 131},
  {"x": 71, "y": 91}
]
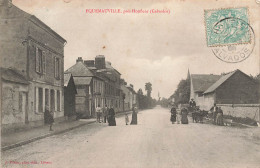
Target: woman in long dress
[
  {"x": 111, "y": 117},
  {"x": 184, "y": 116},
  {"x": 173, "y": 114},
  {"x": 219, "y": 118},
  {"x": 134, "y": 116}
]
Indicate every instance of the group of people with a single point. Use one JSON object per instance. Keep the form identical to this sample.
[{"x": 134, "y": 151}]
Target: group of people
[
  {"x": 179, "y": 115},
  {"x": 108, "y": 114},
  {"x": 217, "y": 115}
]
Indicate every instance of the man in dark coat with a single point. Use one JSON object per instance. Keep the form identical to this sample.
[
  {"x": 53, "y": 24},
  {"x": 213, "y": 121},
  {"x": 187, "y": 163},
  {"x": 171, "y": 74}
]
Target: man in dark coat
[
  {"x": 48, "y": 117},
  {"x": 173, "y": 114},
  {"x": 111, "y": 117}
]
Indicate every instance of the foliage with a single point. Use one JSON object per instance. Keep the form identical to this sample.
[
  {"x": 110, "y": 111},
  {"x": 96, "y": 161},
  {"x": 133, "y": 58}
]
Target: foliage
[
  {"x": 148, "y": 88},
  {"x": 182, "y": 93},
  {"x": 145, "y": 101}
]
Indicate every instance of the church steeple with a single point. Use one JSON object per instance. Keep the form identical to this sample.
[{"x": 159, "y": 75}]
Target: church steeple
[{"x": 188, "y": 75}]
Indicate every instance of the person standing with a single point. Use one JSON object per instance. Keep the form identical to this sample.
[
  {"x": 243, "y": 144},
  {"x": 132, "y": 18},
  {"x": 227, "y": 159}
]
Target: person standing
[
  {"x": 48, "y": 117},
  {"x": 111, "y": 117},
  {"x": 105, "y": 113},
  {"x": 173, "y": 114},
  {"x": 214, "y": 112},
  {"x": 178, "y": 118},
  {"x": 134, "y": 116},
  {"x": 184, "y": 116},
  {"x": 99, "y": 113},
  {"x": 219, "y": 117}
]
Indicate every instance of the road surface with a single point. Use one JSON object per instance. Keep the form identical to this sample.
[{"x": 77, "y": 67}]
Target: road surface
[{"x": 154, "y": 142}]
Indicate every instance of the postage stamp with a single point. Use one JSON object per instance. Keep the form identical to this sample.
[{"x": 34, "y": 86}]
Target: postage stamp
[
  {"x": 227, "y": 26},
  {"x": 229, "y": 34}
]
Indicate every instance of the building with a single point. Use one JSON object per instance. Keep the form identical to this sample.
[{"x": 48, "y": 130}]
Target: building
[
  {"x": 70, "y": 92},
  {"x": 111, "y": 93},
  {"x": 32, "y": 49},
  {"x": 130, "y": 96},
  {"x": 232, "y": 88}
]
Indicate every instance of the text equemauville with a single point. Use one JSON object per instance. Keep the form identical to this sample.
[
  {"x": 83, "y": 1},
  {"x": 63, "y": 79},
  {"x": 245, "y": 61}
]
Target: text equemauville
[{"x": 123, "y": 11}]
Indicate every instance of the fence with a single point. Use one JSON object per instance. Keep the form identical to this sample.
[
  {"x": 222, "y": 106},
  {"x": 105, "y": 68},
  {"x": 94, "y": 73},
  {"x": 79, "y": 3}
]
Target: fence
[{"x": 242, "y": 110}]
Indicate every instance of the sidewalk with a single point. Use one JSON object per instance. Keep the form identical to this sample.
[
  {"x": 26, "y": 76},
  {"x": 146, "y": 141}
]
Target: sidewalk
[{"x": 12, "y": 140}]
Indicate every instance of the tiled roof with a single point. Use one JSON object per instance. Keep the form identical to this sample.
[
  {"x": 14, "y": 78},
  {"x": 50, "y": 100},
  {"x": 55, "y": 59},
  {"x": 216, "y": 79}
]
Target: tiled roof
[
  {"x": 67, "y": 77},
  {"x": 79, "y": 69},
  {"x": 13, "y": 76},
  {"x": 82, "y": 80},
  {"x": 219, "y": 82},
  {"x": 201, "y": 82}
]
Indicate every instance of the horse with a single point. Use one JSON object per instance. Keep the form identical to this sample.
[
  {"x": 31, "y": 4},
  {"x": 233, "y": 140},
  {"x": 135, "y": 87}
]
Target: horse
[{"x": 198, "y": 115}]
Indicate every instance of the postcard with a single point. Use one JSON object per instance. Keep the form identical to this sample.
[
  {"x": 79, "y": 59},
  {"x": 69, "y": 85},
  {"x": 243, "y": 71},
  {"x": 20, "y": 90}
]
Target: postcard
[{"x": 130, "y": 83}]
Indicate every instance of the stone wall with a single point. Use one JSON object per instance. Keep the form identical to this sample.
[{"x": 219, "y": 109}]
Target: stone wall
[{"x": 241, "y": 110}]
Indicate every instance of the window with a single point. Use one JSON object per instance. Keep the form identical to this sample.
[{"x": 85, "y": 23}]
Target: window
[
  {"x": 57, "y": 67},
  {"x": 58, "y": 100},
  {"x": 40, "y": 61}
]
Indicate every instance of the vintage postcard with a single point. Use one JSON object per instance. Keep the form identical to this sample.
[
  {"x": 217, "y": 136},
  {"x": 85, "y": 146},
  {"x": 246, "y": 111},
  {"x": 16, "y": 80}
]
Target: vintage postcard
[{"x": 130, "y": 83}]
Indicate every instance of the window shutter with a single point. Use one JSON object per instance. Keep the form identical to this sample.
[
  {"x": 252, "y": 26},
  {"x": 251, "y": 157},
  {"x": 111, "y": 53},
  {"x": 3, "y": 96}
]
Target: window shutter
[
  {"x": 54, "y": 66},
  {"x": 44, "y": 62},
  {"x": 36, "y": 60},
  {"x": 59, "y": 68}
]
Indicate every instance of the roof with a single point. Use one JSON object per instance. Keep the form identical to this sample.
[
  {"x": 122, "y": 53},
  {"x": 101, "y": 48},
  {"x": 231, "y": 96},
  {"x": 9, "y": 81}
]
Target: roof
[
  {"x": 219, "y": 82},
  {"x": 201, "y": 82},
  {"x": 82, "y": 80},
  {"x": 131, "y": 89},
  {"x": 12, "y": 75},
  {"x": 67, "y": 77},
  {"x": 79, "y": 69}
]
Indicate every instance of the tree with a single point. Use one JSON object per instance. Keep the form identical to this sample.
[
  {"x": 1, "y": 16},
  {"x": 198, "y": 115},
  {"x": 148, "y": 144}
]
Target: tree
[
  {"x": 148, "y": 88},
  {"x": 182, "y": 93},
  {"x": 140, "y": 92}
]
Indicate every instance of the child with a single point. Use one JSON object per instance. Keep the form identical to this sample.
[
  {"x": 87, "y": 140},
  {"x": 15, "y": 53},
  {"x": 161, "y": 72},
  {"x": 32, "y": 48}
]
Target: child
[{"x": 126, "y": 119}]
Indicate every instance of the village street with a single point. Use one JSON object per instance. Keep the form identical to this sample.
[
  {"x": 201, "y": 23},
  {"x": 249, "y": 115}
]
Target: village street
[{"x": 154, "y": 142}]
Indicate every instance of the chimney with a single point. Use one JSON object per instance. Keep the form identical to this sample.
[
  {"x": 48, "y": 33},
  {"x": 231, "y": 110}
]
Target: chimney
[
  {"x": 100, "y": 62},
  {"x": 89, "y": 63},
  {"x": 79, "y": 59}
]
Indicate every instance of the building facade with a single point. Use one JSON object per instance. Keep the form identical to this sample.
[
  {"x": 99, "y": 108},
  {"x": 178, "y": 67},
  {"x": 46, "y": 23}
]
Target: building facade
[
  {"x": 232, "y": 88},
  {"x": 35, "y": 51}
]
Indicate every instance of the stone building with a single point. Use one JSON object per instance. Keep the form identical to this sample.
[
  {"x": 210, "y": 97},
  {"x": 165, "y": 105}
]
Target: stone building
[
  {"x": 35, "y": 51},
  {"x": 111, "y": 92},
  {"x": 232, "y": 88}
]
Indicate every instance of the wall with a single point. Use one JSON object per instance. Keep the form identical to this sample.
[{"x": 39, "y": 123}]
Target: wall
[
  {"x": 13, "y": 51},
  {"x": 209, "y": 100},
  {"x": 241, "y": 110},
  {"x": 82, "y": 99},
  {"x": 14, "y": 103}
]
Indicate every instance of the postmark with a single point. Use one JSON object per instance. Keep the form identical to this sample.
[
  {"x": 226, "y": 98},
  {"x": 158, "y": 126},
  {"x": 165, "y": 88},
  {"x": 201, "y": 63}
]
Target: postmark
[{"x": 229, "y": 34}]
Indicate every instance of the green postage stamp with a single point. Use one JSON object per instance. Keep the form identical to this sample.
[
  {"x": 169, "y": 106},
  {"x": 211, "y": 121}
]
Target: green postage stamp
[{"x": 227, "y": 26}]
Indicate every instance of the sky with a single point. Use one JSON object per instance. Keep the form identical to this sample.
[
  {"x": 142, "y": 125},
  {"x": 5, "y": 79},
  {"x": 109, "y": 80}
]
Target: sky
[{"x": 153, "y": 47}]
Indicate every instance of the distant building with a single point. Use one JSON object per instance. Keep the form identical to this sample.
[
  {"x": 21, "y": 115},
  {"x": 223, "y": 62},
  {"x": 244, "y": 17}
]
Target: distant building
[
  {"x": 232, "y": 88},
  {"x": 70, "y": 92},
  {"x": 97, "y": 83},
  {"x": 32, "y": 49}
]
